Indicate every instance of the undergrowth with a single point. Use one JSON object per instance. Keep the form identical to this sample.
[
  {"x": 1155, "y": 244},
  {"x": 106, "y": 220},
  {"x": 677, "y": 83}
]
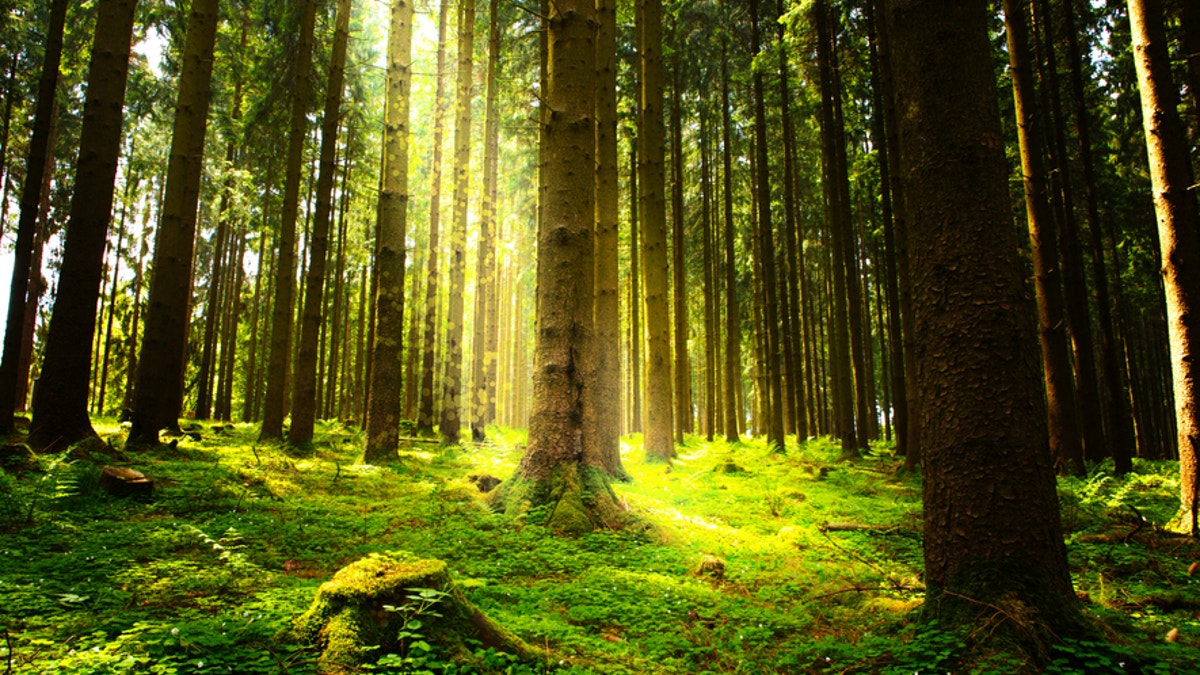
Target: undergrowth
[{"x": 821, "y": 574}]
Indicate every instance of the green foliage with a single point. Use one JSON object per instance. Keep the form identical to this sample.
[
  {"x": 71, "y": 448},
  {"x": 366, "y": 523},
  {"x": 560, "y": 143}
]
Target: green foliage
[{"x": 239, "y": 537}]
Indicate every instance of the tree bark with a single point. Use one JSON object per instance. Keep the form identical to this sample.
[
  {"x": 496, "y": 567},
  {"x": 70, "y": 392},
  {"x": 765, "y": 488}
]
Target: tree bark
[
  {"x": 992, "y": 528},
  {"x": 733, "y": 323},
  {"x": 680, "y": 323},
  {"x": 384, "y": 405},
  {"x": 60, "y": 415},
  {"x": 1178, "y": 235}
]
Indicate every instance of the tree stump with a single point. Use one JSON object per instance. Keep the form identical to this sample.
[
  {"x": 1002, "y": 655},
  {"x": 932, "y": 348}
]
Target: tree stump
[
  {"x": 358, "y": 615},
  {"x": 123, "y": 482}
]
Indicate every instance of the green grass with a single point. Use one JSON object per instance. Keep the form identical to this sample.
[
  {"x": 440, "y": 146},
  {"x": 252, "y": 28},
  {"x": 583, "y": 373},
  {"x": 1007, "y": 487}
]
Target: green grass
[{"x": 207, "y": 576}]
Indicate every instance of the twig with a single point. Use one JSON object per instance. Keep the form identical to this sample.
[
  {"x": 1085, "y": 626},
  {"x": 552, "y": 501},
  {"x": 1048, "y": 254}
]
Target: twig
[{"x": 858, "y": 589}]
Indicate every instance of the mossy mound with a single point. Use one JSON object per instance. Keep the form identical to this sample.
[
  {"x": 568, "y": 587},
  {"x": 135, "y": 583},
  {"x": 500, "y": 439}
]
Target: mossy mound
[
  {"x": 572, "y": 499},
  {"x": 358, "y": 615}
]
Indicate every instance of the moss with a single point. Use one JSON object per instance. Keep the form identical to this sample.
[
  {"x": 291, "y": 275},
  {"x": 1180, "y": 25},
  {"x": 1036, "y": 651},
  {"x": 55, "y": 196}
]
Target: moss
[
  {"x": 573, "y": 499},
  {"x": 350, "y": 620}
]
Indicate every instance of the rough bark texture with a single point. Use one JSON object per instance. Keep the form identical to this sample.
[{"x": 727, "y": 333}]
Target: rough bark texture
[
  {"x": 452, "y": 384},
  {"x": 555, "y": 472},
  {"x": 384, "y": 406},
  {"x": 31, "y": 198},
  {"x": 1178, "y": 235},
  {"x": 1065, "y": 440},
  {"x": 60, "y": 413},
  {"x": 993, "y": 537},
  {"x": 659, "y": 442},
  {"x": 279, "y": 357}
]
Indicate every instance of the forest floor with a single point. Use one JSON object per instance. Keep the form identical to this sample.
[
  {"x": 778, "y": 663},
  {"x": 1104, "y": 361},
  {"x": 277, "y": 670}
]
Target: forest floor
[{"x": 822, "y": 562}]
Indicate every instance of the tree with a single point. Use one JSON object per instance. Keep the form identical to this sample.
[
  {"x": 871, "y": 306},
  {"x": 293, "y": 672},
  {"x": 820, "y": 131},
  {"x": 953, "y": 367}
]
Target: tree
[
  {"x": 31, "y": 199},
  {"x": 304, "y": 394},
  {"x": 992, "y": 529},
  {"x": 452, "y": 384},
  {"x": 383, "y": 407},
  {"x": 733, "y": 325},
  {"x": 279, "y": 355},
  {"x": 1065, "y": 441},
  {"x": 1178, "y": 235},
  {"x": 158, "y": 392},
  {"x": 652, "y": 210},
  {"x": 555, "y": 471},
  {"x": 60, "y": 415}
]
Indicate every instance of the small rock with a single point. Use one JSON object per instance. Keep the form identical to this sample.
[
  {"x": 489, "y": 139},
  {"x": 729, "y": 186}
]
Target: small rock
[
  {"x": 1173, "y": 635},
  {"x": 485, "y": 482},
  {"x": 124, "y": 482}
]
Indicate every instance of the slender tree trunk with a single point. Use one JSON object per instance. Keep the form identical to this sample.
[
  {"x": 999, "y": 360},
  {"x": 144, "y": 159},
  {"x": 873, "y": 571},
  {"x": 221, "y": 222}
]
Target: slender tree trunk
[
  {"x": 60, "y": 416},
  {"x": 112, "y": 298},
  {"x": 733, "y": 323},
  {"x": 637, "y": 336},
  {"x": 1178, "y": 235},
  {"x": 216, "y": 286},
  {"x": 659, "y": 442},
  {"x": 992, "y": 528},
  {"x": 452, "y": 381},
  {"x": 132, "y": 342},
  {"x": 710, "y": 291},
  {"x": 1065, "y": 439},
  {"x": 483, "y": 379},
  {"x": 304, "y": 392},
  {"x": 279, "y": 359},
  {"x": 680, "y": 323},
  {"x": 250, "y": 382},
  {"x": 384, "y": 404},
  {"x": 332, "y": 399},
  {"x": 793, "y": 346},
  {"x": 36, "y": 168},
  {"x": 604, "y": 394},
  {"x": 429, "y": 353}
]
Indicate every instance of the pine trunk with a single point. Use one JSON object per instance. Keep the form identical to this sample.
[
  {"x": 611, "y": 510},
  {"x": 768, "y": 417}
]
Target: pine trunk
[
  {"x": 734, "y": 419},
  {"x": 483, "y": 379}
]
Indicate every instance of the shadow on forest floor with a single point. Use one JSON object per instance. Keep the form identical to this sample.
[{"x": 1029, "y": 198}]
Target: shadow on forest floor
[{"x": 811, "y": 565}]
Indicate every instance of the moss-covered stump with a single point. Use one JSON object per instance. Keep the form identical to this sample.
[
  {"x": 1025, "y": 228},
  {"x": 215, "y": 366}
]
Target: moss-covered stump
[
  {"x": 572, "y": 499},
  {"x": 358, "y": 615}
]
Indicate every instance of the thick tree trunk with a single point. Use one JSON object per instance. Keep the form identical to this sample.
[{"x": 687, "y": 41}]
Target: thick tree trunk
[
  {"x": 452, "y": 381},
  {"x": 60, "y": 416},
  {"x": 1178, "y": 235},
  {"x": 992, "y": 528},
  {"x": 36, "y": 169},
  {"x": 1065, "y": 439},
  {"x": 554, "y": 471},
  {"x": 384, "y": 405},
  {"x": 279, "y": 358},
  {"x": 659, "y": 441},
  {"x": 425, "y": 417}
]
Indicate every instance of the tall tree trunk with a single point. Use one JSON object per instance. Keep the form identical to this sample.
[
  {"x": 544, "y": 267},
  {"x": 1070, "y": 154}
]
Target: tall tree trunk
[
  {"x": 659, "y": 442},
  {"x": 452, "y": 381},
  {"x": 774, "y": 394},
  {"x": 711, "y": 292},
  {"x": 216, "y": 285},
  {"x": 680, "y": 323},
  {"x": 304, "y": 392},
  {"x": 992, "y": 528},
  {"x": 425, "y": 417},
  {"x": 279, "y": 358},
  {"x": 483, "y": 380},
  {"x": 554, "y": 471},
  {"x": 233, "y": 307},
  {"x": 384, "y": 404},
  {"x": 733, "y": 323},
  {"x": 60, "y": 416},
  {"x": 250, "y": 382},
  {"x": 793, "y": 347},
  {"x": 604, "y": 394},
  {"x": 332, "y": 399},
  {"x": 1065, "y": 439},
  {"x": 132, "y": 343},
  {"x": 1178, "y": 235},
  {"x": 637, "y": 336},
  {"x": 102, "y": 385},
  {"x": 36, "y": 168}
]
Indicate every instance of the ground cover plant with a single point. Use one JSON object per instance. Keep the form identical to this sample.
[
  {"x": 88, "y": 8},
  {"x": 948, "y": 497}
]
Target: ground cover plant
[{"x": 737, "y": 561}]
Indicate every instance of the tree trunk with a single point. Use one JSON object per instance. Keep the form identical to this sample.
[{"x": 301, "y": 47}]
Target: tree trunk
[
  {"x": 304, "y": 392},
  {"x": 452, "y": 381},
  {"x": 637, "y": 336},
  {"x": 680, "y": 323},
  {"x": 992, "y": 528},
  {"x": 384, "y": 404},
  {"x": 554, "y": 471},
  {"x": 733, "y": 323},
  {"x": 1178, "y": 235},
  {"x": 1065, "y": 440},
  {"x": 36, "y": 169},
  {"x": 793, "y": 339},
  {"x": 60, "y": 416},
  {"x": 710, "y": 291},
  {"x": 483, "y": 380},
  {"x": 659, "y": 441},
  {"x": 604, "y": 395},
  {"x": 279, "y": 358},
  {"x": 429, "y": 352}
]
